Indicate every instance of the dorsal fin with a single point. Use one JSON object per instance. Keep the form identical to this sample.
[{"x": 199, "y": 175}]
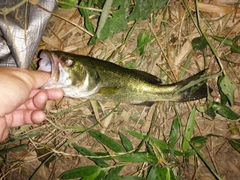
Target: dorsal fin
[{"x": 148, "y": 77}]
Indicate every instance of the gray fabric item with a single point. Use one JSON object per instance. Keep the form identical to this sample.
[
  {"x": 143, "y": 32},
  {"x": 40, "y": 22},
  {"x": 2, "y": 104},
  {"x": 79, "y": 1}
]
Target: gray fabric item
[{"x": 20, "y": 39}]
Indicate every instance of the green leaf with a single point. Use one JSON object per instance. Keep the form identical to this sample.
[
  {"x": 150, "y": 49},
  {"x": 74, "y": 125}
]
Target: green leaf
[
  {"x": 132, "y": 178},
  {"x": 189, "y": 130},
  {"x": 142, "y": 41},
  {"x": 229, "y": 42},
  {"x": 87, "y": 152},
  {"x": 126, "y": 142},
  {"x": 236, "y": 39},
  {"x": 15, "y": 149},
  {"x": 86, "y": 13},
  {"x": 137, "y": 134},
  {"x": 150, "y": 149},
  {"x": 228, "y": 87},
  {"x": 224, "y": 98},
  {"x": 131, "y": 65},
  {"x": 178, "y": 153},
  {"x": 67, "y": 4},
  {"x": 161, "y": 144},
  {"x": 136, "y": 157},
  {"x": 210, "y": 111},
  {"x": 199, "y": 140},
  {"x": 189, "y": 153},
  {"x": 173, "y": 137},
  {"x": 225, "y": 111},
  {"x": 116, "y": 22},
  {"x": 235, "y": 49},
  {"x": 113, "y": 173},
  {"x": 226, "y": 41},
  {"x": 165, "y": 173},
  {"x": 104, "y": 16},
  {"x": 101, "y": 175},
  {"x": 143, "y": 8},
  {"x": 199, "y": 43},
  {"x": 20, "y": 137},
  {"x": 91, "y": 177},
  {"x": 116, "y": 15},
  {"x": 80, "y": 172},
  {"x": 221, "y": 109},
  {"x": 107, "y": 141},
  {"x": 235, "y": 143},
  {"x": 152, "y": 173}
]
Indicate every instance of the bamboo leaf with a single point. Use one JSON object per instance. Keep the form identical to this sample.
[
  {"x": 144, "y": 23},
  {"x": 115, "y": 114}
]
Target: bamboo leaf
[
  {"x": 226, "y": 41},
  {"x": 136, "y": 157},
  {"x": 80, "y": 172},
  {"x": 228, "y": 87},
  {"x": 142, "y": 41},
  {"x": 161, "y": 144},
  {"x": 235, "y": 143},
  {"x": 189, "y": 130},
  {"x": 86, "y": 13},
  {"x": 107, "y": 141},
  {"x": 116, "y": 22},
  {"x": 67, "y": 4},
  {"x": 165, "y": 173},
  {"x": 224, "y": 98},
  {"x": 87, "y": 152},
  {"x": 143, "y": 8},
  {"x": 173, "y": 137},
  {"x": 225, "y": 111},
  {"x": 126, "y": 142},
  {"x": 137, "y": 134},
  {"x": 132, "y": 178},
  {"x": 152, "y": 173},
  {"x": 113, "y": 173},
  {"x": 101, "y": 175},
  {"x": 199, "y": 139}
]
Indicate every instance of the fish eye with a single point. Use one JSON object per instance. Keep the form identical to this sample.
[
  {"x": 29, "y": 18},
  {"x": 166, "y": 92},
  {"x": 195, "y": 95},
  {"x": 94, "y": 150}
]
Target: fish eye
[{"x": 69, "y": 62}]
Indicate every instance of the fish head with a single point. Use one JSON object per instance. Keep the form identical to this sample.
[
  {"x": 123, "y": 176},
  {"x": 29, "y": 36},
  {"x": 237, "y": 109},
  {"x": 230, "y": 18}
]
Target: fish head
[{"x": 69, "y": 73}]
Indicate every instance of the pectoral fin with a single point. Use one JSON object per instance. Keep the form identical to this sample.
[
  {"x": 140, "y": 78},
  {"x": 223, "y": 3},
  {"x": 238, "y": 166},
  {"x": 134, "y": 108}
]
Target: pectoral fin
[{"x": 108, "y": 90}]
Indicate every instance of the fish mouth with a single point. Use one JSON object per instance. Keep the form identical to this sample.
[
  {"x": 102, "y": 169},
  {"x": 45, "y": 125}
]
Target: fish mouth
[{"x": 50, "y": 62}]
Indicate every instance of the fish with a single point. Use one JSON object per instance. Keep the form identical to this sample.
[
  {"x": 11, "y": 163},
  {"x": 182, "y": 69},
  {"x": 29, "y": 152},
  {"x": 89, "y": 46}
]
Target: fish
[{"x": 87, "y": 77}]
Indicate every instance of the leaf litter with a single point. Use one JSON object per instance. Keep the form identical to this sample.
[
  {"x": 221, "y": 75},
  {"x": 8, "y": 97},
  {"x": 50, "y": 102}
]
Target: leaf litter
[{"x": 67, "y": 119}]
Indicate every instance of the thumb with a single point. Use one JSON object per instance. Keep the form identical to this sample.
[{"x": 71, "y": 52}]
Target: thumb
[{"x": 39, "y": 78}]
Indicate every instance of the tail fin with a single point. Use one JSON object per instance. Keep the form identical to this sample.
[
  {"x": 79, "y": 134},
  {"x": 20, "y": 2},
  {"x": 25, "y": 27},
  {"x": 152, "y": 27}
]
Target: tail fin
[{"x": 193, "y": 88}]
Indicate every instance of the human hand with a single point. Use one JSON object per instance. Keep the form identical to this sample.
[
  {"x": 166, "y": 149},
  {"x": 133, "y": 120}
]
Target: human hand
[{"x": 21, "y": 99}]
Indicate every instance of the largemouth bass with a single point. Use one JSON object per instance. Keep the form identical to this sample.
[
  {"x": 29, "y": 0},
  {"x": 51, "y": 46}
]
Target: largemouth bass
[{"x": 88, "y": 77}]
